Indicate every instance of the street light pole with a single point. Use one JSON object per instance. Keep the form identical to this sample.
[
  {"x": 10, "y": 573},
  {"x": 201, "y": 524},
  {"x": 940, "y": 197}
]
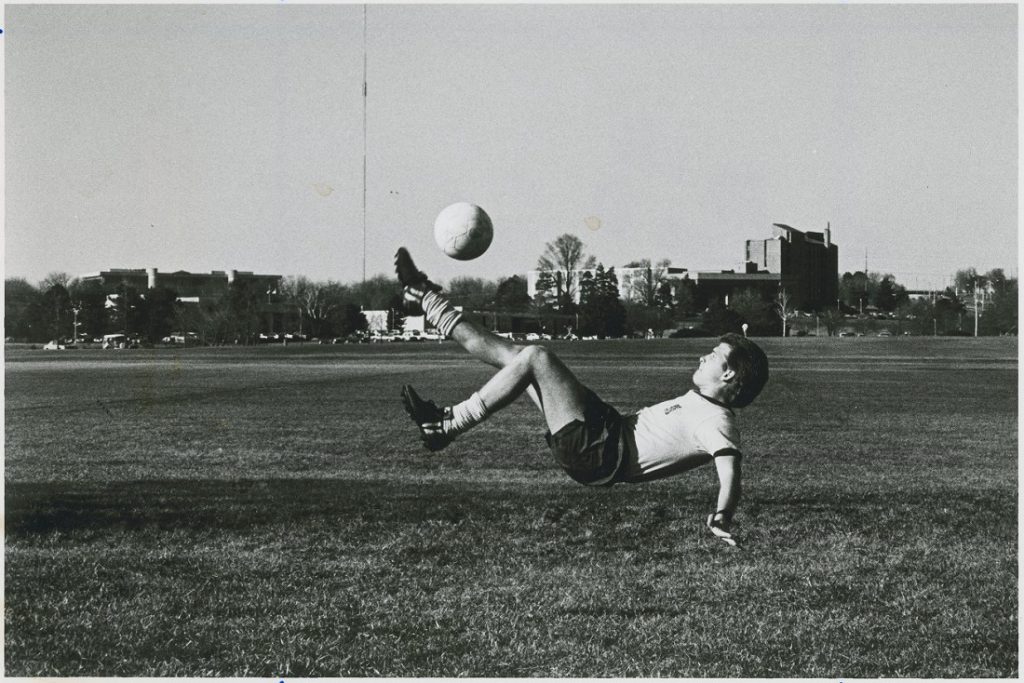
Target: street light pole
[
  {"x": 975, "y": 310},
  {"x": 75, "y": 309}
]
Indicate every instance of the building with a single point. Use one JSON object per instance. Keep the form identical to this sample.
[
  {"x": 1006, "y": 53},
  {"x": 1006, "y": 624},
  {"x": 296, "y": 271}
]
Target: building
[
  {"x": 806, "y": 264},
  {"x": 193, "y": 289},
  {"x": 190, "y": 287}
]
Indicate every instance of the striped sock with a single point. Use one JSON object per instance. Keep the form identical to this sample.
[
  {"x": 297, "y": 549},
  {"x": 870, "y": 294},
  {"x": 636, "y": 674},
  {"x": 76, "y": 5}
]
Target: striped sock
[
  {"x": 465, "y": 415},
  {"x": 439, "y": 313}
]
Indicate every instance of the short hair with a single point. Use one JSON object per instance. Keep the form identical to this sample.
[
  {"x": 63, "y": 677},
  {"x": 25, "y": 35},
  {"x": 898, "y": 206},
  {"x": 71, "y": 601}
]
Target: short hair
[{"x": 750, "y": 364}]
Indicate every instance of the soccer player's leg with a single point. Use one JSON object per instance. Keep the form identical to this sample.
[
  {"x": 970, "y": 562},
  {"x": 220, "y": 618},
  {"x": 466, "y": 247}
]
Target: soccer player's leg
[
  {"x": 560, "y": 394},
  {"x": 422, "y": 294}
]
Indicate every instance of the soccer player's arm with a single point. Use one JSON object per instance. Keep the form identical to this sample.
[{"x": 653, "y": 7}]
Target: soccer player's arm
[{"x": 727, "y": 464}]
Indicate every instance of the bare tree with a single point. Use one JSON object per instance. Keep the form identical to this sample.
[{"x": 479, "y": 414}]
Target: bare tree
[
  {"x": 565, "y": 253},
  {"x": 785, "y": 310},
  {"x": 644, "y": 288},
  {"x": 55, "y": 279},
  {"x": 311, "y": 299}
]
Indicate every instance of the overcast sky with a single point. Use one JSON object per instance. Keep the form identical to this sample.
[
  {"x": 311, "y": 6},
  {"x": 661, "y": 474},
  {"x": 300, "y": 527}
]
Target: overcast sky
[{"x": 218, "y": 137}]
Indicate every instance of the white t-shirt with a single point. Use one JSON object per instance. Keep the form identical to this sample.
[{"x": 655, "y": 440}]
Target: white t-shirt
[{"x": 678, "y": 435}]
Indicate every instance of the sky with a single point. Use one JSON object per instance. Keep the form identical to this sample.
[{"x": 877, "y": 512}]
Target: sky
[{"x": 215, "y": 137}]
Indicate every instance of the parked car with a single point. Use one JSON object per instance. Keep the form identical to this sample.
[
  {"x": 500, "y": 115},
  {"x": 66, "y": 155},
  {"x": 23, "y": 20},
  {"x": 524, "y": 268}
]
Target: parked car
[
  {"x": 181, "y": 338},
  {"x": 119, "y": 341}
]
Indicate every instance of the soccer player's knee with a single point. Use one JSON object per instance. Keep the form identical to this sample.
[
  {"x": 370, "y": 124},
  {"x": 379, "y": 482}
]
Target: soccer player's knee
[{"x": 535, "y": 355}]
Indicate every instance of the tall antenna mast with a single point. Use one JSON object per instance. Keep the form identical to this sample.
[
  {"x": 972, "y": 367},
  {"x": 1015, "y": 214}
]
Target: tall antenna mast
[{"x": 364, "y": 142}]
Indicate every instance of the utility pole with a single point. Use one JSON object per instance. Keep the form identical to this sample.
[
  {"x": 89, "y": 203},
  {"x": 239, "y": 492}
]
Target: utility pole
[
  {"x": 364, "y": 142},
  {"x": 76, "y": 308},
  {"x": 976, "y": 305}
]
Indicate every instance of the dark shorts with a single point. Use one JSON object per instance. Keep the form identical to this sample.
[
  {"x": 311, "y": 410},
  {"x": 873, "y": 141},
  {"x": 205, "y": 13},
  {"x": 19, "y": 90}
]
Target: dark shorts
[{"x": 591, "y": 451}]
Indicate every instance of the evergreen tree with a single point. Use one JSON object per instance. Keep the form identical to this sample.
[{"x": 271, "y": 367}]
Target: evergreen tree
[
  {"x": 511, "y": 294},
  {"x": 22, "y": 305},
  {"x": 885, "y": 299},
  {"x": 352, "y": 320},
  {"x": 685, "y": 297},
  {"x": 1000, "y": 312},
  {"x": 91, "y": 301},
  {"x": 243, "y": 304},
  {"x": 614, "y": 312},
  {"x": 762, "y": 317},
  {"x": 590, "y": 302},
  {"x": 126, "y": 315},
  {"x": 543, "y": 297},
  {"x": 55, "y": 309},
  {"x": 157, "y": 316},
  {"x": 719, "y": 320}
]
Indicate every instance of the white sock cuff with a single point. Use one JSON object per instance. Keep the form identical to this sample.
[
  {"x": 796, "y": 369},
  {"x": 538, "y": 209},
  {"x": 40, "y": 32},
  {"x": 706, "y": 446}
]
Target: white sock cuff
[
  {"x": 467, "y": 414},
  {"x": 439, "y": 313},
  {"x": 475, "y": 405}
]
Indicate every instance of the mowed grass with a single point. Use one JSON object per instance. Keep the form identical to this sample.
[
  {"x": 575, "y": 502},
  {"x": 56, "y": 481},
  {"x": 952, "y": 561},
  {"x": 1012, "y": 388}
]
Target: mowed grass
[{"x": 269, "y": 512}]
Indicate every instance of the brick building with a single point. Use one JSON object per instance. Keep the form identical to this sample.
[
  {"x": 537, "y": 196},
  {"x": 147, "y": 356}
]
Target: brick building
[{"x": 807, "y": 264}]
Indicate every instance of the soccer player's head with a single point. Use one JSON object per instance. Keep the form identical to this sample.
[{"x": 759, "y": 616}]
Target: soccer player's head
[{"x": 750, "y": 365}]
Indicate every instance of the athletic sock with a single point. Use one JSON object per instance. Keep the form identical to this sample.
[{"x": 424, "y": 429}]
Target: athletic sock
[
  {"x": 467, "y": 414},
  {"x": 439, "y": 313}
]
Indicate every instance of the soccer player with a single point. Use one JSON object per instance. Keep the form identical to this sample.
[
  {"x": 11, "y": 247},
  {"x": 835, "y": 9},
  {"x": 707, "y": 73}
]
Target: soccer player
[{"x": 592, "y": 441}]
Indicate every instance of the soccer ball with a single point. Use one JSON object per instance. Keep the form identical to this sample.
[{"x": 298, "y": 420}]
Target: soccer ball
[{"x": 463, "y": 231}]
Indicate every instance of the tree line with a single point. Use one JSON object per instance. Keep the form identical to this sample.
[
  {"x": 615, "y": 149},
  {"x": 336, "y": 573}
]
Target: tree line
[
  {"x": 574, "y": 293},
  {"x": 60, "y": 306},
  {"x": 991, "y": 297}
]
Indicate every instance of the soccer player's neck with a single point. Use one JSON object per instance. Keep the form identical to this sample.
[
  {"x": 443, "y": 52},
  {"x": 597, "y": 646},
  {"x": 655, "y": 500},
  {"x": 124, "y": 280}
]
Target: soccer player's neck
[{"x": 716, "y": 393}]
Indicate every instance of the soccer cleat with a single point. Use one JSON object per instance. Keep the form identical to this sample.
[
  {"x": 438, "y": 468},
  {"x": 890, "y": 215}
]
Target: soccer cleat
[
  {"x": 718, "y": 530},
  {"x": 429, "y": 418},
  {"x": 412, "y": 300},
  {"x": 409, "y": 275},
  {"x": 414, "y": 281}
]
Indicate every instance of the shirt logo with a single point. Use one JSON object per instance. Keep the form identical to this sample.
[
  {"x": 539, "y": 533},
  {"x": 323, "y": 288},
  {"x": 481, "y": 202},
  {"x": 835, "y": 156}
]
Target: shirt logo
[{"x": 674, "y": 406}]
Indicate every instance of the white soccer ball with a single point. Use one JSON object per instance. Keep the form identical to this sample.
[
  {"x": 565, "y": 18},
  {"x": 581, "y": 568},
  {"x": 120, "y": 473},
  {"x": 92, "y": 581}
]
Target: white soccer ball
[{"x": 463, "y": 231}]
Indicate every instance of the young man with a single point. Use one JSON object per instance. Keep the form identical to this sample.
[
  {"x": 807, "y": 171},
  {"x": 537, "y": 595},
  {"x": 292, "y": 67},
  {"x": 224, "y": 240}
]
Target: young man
[{"x": 593, "y": 443}]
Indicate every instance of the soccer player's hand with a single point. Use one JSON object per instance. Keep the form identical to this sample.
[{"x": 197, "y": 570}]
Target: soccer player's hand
[{"x": 720, "y": 529}]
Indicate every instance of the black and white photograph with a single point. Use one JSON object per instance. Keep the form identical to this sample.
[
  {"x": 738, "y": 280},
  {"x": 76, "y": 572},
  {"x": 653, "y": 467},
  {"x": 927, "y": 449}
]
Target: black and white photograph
[{"x": 511, "y": 340}]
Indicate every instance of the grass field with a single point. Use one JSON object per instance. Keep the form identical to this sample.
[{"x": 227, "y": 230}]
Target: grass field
[{"x": 269, "y": 512}]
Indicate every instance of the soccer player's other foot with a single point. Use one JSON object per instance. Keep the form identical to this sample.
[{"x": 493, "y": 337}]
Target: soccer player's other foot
[{"x": 428, "y": 417}]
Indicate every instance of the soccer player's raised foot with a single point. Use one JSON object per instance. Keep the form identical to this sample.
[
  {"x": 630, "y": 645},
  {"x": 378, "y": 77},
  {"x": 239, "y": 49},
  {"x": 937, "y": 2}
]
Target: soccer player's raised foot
[
  {"x": 414, "y": 281},
  {"x": 409, "y": 275},
  {"x": 428, "y": 417}
]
